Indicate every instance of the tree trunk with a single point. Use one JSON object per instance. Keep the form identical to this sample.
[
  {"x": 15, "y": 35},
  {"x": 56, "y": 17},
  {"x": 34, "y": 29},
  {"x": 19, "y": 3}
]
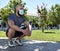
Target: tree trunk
[{"x": 42, "y": 29}]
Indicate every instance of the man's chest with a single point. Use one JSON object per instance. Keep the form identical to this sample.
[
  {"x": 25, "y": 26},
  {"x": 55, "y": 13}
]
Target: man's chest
[{"x": 19, "y": 20}]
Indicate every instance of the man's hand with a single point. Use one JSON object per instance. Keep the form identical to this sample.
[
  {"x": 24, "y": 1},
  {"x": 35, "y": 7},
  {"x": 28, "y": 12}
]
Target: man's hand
[{"x": 27, "y": 31}]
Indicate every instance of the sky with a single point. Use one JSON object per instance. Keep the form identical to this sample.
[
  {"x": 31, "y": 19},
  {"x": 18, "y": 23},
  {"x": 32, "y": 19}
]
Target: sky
[{"x": 31, "y": 5}]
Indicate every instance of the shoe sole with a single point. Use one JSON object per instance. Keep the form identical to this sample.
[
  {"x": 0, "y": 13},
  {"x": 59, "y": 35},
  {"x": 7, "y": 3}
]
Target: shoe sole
[
  {"x": 11, "y": 46},
  {"x": 14, "y": 46}
]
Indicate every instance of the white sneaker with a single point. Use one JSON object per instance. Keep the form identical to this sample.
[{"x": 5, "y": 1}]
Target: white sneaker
[
  {"x": 18, "y": 42},
  {"x": 10, "y": 43}
]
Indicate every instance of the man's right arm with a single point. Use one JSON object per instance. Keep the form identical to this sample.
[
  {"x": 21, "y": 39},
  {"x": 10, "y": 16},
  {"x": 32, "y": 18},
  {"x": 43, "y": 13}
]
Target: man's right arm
[{"x": 13, "y": 26}]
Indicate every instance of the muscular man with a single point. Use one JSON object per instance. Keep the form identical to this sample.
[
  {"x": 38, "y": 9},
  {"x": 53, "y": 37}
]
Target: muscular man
[{"x": 15, "y": 21}]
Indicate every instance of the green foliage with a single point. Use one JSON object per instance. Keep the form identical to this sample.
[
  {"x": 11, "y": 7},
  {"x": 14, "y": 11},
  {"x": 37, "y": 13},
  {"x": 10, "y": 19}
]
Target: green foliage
[
  {"x": 10, "y": 8},
  {"x": 34, "y": 20},
  {"x": 52, "y": 17},
  {"x": 54, "y": 14},
  {"x": 5, "y": 13},
  {"x": 43, "y": 17},
  {"x": 27, "y": 17}
]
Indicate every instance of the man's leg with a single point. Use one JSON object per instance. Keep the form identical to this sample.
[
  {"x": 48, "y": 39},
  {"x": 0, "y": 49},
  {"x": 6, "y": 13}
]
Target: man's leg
[
  {"x": 18, "y": 40},
  {"x": 10, "y": 34},
  {"x": 20, "y": 37}
]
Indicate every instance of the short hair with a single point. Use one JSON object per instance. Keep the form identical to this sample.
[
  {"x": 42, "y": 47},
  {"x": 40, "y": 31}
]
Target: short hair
[{"x": 18, "y": 5}]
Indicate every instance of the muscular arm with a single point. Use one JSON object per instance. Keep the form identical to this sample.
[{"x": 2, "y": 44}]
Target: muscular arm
[
  {"x": 11, "y": 24},
  {"x": 28, "y": 29},
  {"x": 26, "y": 23}
]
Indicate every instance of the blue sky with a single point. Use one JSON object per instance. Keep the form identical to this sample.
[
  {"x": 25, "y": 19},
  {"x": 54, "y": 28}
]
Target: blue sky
[
  {"x": 32, "y": 4},
  {"x": 3, "y": 3}
]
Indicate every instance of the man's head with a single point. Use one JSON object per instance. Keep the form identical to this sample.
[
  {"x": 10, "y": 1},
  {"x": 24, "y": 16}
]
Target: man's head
[{"x": 19, "y": 10}]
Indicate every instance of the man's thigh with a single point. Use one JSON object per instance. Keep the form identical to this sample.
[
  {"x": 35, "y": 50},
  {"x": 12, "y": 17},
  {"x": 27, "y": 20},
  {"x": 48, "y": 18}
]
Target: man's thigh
[
  {"x": 10, "y": 31},
  {"x": 17, "y": 34},
  {"x": 14, "y": 33}
]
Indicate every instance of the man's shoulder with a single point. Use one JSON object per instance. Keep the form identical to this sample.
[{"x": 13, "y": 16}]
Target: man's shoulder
[{"x": 11, "y": 16}]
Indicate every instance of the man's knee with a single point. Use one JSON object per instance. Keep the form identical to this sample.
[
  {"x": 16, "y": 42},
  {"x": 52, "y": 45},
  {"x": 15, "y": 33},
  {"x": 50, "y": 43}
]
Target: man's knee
[{"x": 11, "y": 31}]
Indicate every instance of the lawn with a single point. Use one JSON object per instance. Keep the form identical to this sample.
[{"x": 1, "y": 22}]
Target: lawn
[
  {"x": 2, "y": 34},
  {"x": 50, "y": 35}
]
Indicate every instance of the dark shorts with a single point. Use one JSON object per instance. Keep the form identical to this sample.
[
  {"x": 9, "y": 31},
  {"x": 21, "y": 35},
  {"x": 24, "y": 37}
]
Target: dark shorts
[{"x": 17, "y": 33}]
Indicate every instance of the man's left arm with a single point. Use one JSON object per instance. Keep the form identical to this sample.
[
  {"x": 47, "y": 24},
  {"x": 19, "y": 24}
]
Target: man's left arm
[
  {"x": 29, "y": 27},
  {"x": 26, "y": 23}
]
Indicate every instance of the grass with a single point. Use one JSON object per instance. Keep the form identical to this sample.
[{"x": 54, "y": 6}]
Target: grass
[
  {"x": 2, "y": 34},
  {"x": 48, "y": 35}
]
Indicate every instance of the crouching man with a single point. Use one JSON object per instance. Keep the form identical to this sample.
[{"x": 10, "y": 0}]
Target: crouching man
[{"x": 18, "y": 26}]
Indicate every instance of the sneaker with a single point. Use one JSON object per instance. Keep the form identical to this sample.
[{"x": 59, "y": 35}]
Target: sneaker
[
  {"x": 10, "y": 43},
  {"x": 18, "y": 42}
]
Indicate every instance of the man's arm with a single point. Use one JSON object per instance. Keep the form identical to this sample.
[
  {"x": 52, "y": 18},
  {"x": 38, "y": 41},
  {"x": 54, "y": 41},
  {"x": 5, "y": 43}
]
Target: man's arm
[
  {"x": 29, "y": 28},
  {"x": 11, "y": 24},
  {"x": 26, "y": 23}
]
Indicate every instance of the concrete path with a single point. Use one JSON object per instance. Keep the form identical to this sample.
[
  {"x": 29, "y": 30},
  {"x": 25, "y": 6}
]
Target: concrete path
[{"x": 30, "y": 45}]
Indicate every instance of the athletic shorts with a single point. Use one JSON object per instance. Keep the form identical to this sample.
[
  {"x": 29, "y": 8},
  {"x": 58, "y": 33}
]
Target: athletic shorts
[{"x": 17, "y": 33}]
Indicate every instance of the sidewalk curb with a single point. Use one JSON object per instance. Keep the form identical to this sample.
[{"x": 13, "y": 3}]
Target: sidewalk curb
[
  {"x": 3, "y": 38},
  {"x": 36, "y": 41}
]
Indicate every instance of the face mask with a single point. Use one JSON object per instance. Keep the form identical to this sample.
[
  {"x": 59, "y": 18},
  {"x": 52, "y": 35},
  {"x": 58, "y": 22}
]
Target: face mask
[{"x": 21, "y": 12}]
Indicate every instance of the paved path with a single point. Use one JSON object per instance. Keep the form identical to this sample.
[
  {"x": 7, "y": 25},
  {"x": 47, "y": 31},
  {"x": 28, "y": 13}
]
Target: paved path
[{"x": 31, "y": 45}]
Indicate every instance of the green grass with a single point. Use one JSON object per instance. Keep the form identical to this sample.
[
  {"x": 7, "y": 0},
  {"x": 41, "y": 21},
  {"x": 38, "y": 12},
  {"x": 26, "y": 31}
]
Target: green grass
[
  {"x": 2, "y": 34},
  {"x": 50, "y": 35}
]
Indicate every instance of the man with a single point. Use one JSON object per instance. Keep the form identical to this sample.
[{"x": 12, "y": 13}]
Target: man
[{"x": 15, "y": 21}]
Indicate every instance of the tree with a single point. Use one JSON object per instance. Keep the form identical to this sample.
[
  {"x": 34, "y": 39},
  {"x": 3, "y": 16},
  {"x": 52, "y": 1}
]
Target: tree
[
  {"x": 10, "y": 8},
  {"x": 54, "y": 14},
  {"x": 4, "y": 14},
  {"x": 43, "y": 16},
  {"x": 13, "y": 4}
]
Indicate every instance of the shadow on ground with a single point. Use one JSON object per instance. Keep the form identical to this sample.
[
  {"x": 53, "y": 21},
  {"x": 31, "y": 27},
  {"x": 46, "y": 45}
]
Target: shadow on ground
[
  {"x": 30, "y": 45},
  {"x": 49, "y": 32}
]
